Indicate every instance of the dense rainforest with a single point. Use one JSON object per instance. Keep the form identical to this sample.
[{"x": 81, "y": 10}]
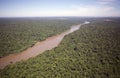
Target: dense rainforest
[
  {"x": 91, "y": 52},
  {"x": 17, "y": 34}
]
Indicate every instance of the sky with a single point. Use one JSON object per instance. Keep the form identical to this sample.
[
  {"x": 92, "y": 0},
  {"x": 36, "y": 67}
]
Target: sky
[{"x": 41, "y": 8}]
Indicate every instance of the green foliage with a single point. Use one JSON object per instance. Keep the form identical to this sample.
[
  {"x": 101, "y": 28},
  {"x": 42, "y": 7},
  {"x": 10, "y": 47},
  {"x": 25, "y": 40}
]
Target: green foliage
[
  {"x": 91, "y": 52},
  {"x": 17, "y": 34}
]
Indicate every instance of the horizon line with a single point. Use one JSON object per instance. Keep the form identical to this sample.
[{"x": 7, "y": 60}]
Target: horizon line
[{"x": 51, "y": 16}]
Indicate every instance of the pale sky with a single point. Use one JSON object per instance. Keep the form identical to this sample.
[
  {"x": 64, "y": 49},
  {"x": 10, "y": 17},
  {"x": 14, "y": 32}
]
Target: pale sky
[{"x": 34, "y": 8}]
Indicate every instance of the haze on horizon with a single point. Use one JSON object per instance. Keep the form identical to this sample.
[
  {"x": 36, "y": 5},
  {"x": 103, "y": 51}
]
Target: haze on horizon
[{"x": 38, "y": 8}]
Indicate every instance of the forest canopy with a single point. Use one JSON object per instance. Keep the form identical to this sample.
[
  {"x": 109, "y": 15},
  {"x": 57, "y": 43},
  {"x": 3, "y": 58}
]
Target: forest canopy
[{"x": 91, "y": 52}]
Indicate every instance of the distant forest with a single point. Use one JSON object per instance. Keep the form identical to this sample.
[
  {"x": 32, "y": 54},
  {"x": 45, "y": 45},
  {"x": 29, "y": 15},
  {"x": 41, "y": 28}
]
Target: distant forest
[
  {"x": 91, "y": 52},
  {"x": 17, "y": 34}
]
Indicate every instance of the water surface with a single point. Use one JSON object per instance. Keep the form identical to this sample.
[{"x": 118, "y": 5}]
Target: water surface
[{"x": 38, "y": 48}]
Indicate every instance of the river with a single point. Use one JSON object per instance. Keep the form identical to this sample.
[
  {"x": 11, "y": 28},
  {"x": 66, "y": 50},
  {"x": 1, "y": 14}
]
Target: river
[{"x": 38, "y": 48}]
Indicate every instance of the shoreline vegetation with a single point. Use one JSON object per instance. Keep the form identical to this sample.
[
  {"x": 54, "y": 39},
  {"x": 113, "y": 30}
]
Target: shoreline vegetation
[
  {"x": 18, "y": 34},
  {"x": 91, "y": 52},
  {"x": 38, "y": 48}
]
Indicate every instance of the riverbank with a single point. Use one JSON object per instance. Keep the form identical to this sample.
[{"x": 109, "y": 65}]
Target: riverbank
[{"x": 38, "y": 48}]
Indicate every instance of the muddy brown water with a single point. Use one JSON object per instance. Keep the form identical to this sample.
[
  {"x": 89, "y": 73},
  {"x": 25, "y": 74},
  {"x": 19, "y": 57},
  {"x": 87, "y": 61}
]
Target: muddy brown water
[{"x": 38, "y": 48}]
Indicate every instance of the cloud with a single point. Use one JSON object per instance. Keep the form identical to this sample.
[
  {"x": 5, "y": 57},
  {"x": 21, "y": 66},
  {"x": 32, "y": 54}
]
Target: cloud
[
  {"x": 71, "y": 10},
  {"x": 106, "y": 2},
  {"x": 80, "y": 10},
  {"x": 108, "y": 9},
  {"x": 93, "y": 10}
]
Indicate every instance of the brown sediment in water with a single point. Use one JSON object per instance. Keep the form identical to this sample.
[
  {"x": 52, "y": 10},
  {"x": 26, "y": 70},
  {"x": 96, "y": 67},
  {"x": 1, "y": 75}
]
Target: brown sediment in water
[{"x": 37, "y": 49}]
